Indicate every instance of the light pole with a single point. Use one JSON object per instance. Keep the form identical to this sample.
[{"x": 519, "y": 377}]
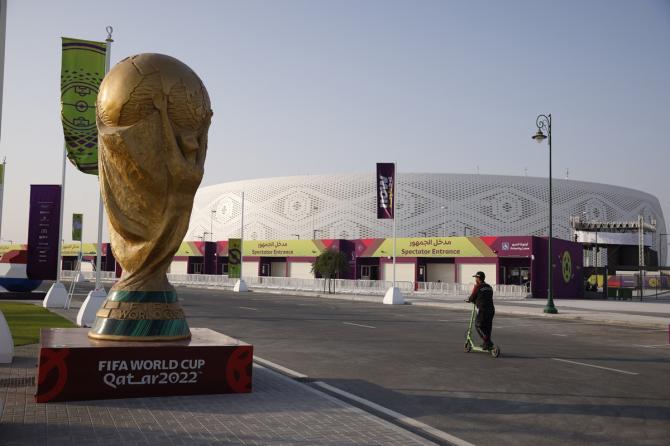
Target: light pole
[
  {"x": 211, "y": 224},
  {"x": 444, "y": 223},
  {"x": 660, "y": 249},
  {"x": 543, "y": 122},
  {"x": 314, "y": 210}
]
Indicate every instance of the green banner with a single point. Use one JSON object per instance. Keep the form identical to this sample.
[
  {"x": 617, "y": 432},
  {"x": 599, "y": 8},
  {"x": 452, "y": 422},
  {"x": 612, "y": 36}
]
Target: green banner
[
  {"x": 82, "y": 70},
  {"x": 234, "y": 258},
  {"x": 2, "y": 174},
  {"x": 77, "y": 226}
]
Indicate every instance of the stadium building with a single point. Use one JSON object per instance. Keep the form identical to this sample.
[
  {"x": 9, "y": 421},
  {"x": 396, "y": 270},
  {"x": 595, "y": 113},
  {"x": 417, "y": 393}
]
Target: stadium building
[{"x": 448, "y": 225}]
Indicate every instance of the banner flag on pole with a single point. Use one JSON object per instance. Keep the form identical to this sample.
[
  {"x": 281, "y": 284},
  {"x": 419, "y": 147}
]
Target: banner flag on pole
[
  {"x": 43, "y": 230},
  {"x": 234, "y": 258},
  {"x": 82, "y": 70},
  {"x": 385, "y": 181},
  {"x": 77, "y": 226}
]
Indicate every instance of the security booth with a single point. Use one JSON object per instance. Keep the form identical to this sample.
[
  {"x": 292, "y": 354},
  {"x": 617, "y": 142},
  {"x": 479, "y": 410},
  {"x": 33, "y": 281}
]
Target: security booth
[
  {"x": 366, "y": 261},
  {"x": 89, "y": 251},
  {"x": 222, "y": 257},
  {"x": 290, "y": 258},
  {"x": 514, "y": 255},
  {"x": 428, "y": 259},
  {"x": 436, "y": 269},
  {"x": 367, "y": 268},
  {"x": 523, "y": 260},
  {"x": 189, "y": 259}
]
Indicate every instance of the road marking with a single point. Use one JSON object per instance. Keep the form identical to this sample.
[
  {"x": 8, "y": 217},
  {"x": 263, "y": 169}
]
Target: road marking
[
  {"x": 651, "y": 346},
  {"x": 249, "y": 308},
  {"x": 398, "y": 417},
  {"x": 279, "y": 368},
  {"x": 359, "y": 325},
  {"x": 559, "y": 334},
  {"x": 595, "y": 366}
]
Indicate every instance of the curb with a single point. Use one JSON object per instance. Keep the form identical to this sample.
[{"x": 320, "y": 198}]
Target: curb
[
  {"x": 399, "y": 420},
  {"x": 584, "y": 317}
]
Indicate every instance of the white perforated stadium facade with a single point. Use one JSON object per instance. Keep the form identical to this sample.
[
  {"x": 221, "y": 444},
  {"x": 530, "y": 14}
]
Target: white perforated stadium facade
[{"x": 343, "y": 207}]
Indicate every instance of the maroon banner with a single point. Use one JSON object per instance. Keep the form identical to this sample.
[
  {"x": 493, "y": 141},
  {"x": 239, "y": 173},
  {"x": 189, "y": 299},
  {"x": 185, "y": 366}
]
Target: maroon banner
[
  {"x": 43, "y": 226},
  {"x": 385, "y": 190}
]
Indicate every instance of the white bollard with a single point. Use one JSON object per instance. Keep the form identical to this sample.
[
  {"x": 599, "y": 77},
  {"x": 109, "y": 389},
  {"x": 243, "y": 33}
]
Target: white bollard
[
  {"x": 6, "y": 342},
  {"x": 93, "y": 302},
  {"x": 56, "y": 296},
  {"x": 393, "y": 296},
  {"x": 240, "y": 286}
]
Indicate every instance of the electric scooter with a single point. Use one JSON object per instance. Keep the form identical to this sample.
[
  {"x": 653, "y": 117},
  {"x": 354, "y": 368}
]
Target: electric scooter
[{"x": 470, "y": 345}]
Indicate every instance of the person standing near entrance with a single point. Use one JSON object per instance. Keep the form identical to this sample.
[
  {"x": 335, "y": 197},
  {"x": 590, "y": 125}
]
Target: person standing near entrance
[{"x": 482, "y": 297}]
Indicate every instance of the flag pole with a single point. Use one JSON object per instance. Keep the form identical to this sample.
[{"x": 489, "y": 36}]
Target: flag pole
[
  {"x": 395, "y": 210},
  {"x": 241, "y": 285},
  {"x": 393, "y": 295},
  {"x": 242, "y": 236},
  {"x": 87, "y": 313},
  {"x": 108, "y": 52}
]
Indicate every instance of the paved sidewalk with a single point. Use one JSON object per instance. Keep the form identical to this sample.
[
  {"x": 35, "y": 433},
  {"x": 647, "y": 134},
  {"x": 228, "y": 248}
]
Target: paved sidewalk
[{"x": 279, "y": 411}]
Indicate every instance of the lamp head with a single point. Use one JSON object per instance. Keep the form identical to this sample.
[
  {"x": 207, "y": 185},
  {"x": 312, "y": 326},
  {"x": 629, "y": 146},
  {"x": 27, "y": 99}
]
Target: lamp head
[{"x": 539, "y": 136}]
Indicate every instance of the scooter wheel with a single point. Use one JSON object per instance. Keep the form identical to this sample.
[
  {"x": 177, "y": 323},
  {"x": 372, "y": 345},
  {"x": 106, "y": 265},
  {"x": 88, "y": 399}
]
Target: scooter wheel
[
  {"x": 495, "y": 351},
  {"x": 467, "y": 348}
]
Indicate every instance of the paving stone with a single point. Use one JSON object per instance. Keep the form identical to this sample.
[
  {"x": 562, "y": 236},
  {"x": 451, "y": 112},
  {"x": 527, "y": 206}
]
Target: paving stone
[{"x": 278, "y": 412}]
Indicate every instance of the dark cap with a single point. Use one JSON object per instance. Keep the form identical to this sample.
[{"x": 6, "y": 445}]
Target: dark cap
[{"x": 480, "y": 274}]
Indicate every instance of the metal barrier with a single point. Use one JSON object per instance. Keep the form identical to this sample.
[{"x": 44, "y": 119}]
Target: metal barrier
[
  {"x": 105, "y": 276},
  {"x": 342, "y": 286},
  {"x": 437, "y": 289}
]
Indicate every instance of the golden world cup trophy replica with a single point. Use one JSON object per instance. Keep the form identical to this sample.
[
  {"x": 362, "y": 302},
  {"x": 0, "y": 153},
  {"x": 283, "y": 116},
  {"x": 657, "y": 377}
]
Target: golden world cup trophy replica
[{"x": 153, "y": 114}]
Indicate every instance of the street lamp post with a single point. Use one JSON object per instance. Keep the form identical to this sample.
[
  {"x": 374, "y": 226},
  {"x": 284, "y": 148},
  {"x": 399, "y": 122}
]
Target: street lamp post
[
  {"x": 543, "y": 122},
  {"x": 211, "y": 224},
  {"x": 444, "y": 223},
  {"x": 660, "y": 249},
  {"x": 314, "y": 211}
]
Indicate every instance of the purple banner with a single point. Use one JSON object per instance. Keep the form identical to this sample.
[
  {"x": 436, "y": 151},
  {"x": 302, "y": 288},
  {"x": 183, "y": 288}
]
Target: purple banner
[
  {"x": 385, "y": 189},
  {"x": 43, "y": 226}
]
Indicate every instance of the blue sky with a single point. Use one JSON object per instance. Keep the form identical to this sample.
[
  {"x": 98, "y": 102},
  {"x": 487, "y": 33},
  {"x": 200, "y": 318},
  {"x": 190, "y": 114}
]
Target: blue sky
[{"x": 320, "y": 87}]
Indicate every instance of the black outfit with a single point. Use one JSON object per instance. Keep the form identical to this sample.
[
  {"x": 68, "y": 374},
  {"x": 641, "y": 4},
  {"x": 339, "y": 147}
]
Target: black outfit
[{"x": 482, "y": 296}]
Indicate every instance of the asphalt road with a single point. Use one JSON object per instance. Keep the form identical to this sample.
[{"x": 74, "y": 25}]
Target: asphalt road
[
  {"x": 556, "y": 382},
  {"x": 559, "y": 383}
]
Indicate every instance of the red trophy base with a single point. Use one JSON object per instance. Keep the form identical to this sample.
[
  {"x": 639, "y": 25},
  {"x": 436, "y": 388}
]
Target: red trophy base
[{"x": 74, "y": 367}]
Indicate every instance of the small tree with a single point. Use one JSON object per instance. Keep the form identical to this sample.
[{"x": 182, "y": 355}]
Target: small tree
[{"x": 329, "y": 264}]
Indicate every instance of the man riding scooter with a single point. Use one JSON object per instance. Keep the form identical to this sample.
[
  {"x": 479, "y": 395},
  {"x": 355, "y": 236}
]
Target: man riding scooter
[{"x": 482, "y": 297}]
